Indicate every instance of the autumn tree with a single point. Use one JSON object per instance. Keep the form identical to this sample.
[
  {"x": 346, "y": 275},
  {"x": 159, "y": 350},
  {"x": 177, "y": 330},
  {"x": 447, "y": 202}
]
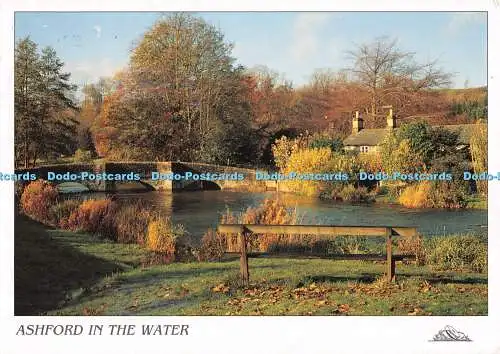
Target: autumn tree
[
  {"x": 392, "y": 75},
  {"x": 274, "y": 105},
  {"x": 328, "y": 101},
  {"x": 102, "y": 132},
  {"x": 44, "y": 108},
  {"x": 182, "y": 97},
  {"x": 93, "y": 99}
]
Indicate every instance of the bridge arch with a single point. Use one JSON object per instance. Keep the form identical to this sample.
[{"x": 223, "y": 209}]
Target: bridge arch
[
  {"x": 202, "y": 185},
  {"x": 71, "y": 187}
]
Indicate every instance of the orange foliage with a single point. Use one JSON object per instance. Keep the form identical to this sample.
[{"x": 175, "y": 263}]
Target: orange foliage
[
  {"x": 163, "y": 236},
  {"x": 371, "y": 162},
  {"x": 94, "y": 216},
  {"x": 131, "y": 223},
  {"x": 103, "y": 134},
  {"x": 417, "y": 195},
  {"x": 36, "y": 200},
  {"x": 271, "y": 212}
]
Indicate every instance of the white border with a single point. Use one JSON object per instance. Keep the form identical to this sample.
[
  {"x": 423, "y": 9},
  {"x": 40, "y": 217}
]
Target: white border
[{"x": 251, "y": 334}]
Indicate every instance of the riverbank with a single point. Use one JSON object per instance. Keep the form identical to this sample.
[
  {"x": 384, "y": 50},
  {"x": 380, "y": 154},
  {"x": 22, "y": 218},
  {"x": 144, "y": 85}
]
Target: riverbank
[
  {"x": 65, "y": 273},
  {"x": 472, "y": 201}
]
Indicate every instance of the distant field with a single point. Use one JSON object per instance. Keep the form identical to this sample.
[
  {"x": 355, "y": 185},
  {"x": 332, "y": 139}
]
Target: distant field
[
  {"x": 64, "y": 273},
  {"x": 473, "y": 93}
]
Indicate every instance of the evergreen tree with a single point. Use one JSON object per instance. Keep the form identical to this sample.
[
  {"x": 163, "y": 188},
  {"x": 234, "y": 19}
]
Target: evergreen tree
[{"x": 43, "y": 125}]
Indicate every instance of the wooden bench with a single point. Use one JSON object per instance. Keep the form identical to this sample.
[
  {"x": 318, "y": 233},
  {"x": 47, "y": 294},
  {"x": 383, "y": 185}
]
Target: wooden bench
[{"x": 387, "y": 232}]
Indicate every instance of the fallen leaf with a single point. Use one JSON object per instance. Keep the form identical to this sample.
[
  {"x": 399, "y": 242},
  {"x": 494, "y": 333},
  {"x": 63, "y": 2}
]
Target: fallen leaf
[
  {"x": 344, "y": 308},
  {"x": 221, "y": 288},
  {"x": 415, "y": 311}
]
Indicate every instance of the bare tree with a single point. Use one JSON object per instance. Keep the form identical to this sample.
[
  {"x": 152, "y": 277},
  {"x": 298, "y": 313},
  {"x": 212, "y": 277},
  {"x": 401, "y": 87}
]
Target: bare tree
[{"x": 391, "y": 75}]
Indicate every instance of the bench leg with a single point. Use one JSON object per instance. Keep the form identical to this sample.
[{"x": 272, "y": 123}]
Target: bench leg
[
  {"x": 391, "y": 263},
  {"x": 244, "y": 259},
  {"x": 393, "y": 270}
]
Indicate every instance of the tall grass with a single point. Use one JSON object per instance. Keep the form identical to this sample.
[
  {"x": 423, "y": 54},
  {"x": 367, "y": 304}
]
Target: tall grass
[
  {"x": 61, "y": 211},
  {"x": 94, "y": 216},
  {"x": 125, "y": 223},
  {"x": 213, "y": 246},
  {"x": 417, "y": 195},
  {"x": 270, "y": 212},
  {"x": 479, "y": 153},
  {"x": 273, "y": 212},
  {"x": 131, "y": 222},
  {"x": 163, "y": 236}
]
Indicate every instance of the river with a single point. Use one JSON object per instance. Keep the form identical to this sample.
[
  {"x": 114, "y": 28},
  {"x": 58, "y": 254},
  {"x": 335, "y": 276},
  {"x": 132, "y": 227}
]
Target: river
[{"x": 199, "y": 210}]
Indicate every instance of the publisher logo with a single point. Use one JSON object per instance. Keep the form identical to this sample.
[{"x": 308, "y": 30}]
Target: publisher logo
[{"x": 450, "y": 334}]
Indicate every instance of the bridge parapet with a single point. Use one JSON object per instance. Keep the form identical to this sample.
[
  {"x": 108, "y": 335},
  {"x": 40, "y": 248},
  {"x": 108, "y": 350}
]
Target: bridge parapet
[{"x": 145, "y": 169}]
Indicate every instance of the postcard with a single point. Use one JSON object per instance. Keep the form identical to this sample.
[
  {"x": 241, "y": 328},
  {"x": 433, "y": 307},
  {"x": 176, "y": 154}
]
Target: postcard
[{"x": 219, "y": 178}]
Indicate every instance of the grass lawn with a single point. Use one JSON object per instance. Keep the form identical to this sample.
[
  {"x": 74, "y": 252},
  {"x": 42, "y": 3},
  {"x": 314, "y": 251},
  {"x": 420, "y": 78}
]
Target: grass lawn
[{"x": 65, "y": 273}]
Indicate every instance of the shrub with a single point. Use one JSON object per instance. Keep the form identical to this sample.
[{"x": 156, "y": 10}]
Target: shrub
[
  {"x": 450, "y": 194},
  {"x": 37, "y": 199},
  {"x": 417, "y": 195},
  {"x": 322, "y": 141},
  {"x": 213, "y": 246},
  {"x": 436, "y": 194},
  {"x": 353, "y": 194},
  {"x": 348, "y": 193},
  {"x": 315, "y": 161},
  {"x": 370, "y": 162},
  {"x": 308, "y": 161},
  {"x": 282, "y": 149},
  {"x": 94, "y": 216},
  {"x": 458, "y": 253},
  {"x": 131, "y": 222},
  {"x": 398, "y": 156},
  {"x": 82, "y": 155},
  {"x": 163, "y": 236},
  {"x": 61, "y": 212},
  {"x": 446, "y": 194}
]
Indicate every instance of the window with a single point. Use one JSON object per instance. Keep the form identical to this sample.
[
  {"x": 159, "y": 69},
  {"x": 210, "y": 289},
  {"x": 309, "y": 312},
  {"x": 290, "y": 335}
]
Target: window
[{"x": 364, "y": 148}]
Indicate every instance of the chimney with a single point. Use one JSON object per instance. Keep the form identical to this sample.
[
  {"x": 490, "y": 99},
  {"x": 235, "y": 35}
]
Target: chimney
[
  {"x": 357, "y": 123},
  {"x": 391, "y": 120}
]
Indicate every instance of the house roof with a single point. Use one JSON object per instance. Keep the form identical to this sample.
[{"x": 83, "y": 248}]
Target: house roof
[
  {"x": 369, "y": 137},
  {"x": 373, "y": 137}
]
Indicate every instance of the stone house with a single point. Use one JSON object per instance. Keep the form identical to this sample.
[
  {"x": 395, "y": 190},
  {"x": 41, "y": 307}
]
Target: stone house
[{"x": 368, "y": 140}]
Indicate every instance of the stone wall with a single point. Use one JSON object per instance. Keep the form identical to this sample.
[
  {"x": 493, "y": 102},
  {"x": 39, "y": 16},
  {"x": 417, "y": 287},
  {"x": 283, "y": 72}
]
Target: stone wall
[{"x": 145, "y": 169}]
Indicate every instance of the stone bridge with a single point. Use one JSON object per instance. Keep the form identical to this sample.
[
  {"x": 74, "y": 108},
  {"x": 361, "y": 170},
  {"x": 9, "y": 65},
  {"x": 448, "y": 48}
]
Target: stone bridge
[{"x": 176, "y": 176}]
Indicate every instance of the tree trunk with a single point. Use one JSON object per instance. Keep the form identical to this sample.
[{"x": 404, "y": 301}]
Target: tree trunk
[{"x": 26, "y": 161}]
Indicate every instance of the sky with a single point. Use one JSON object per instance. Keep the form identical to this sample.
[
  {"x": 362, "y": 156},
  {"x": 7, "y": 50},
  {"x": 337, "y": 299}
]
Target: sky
[{"x": 294, "y": 44}]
